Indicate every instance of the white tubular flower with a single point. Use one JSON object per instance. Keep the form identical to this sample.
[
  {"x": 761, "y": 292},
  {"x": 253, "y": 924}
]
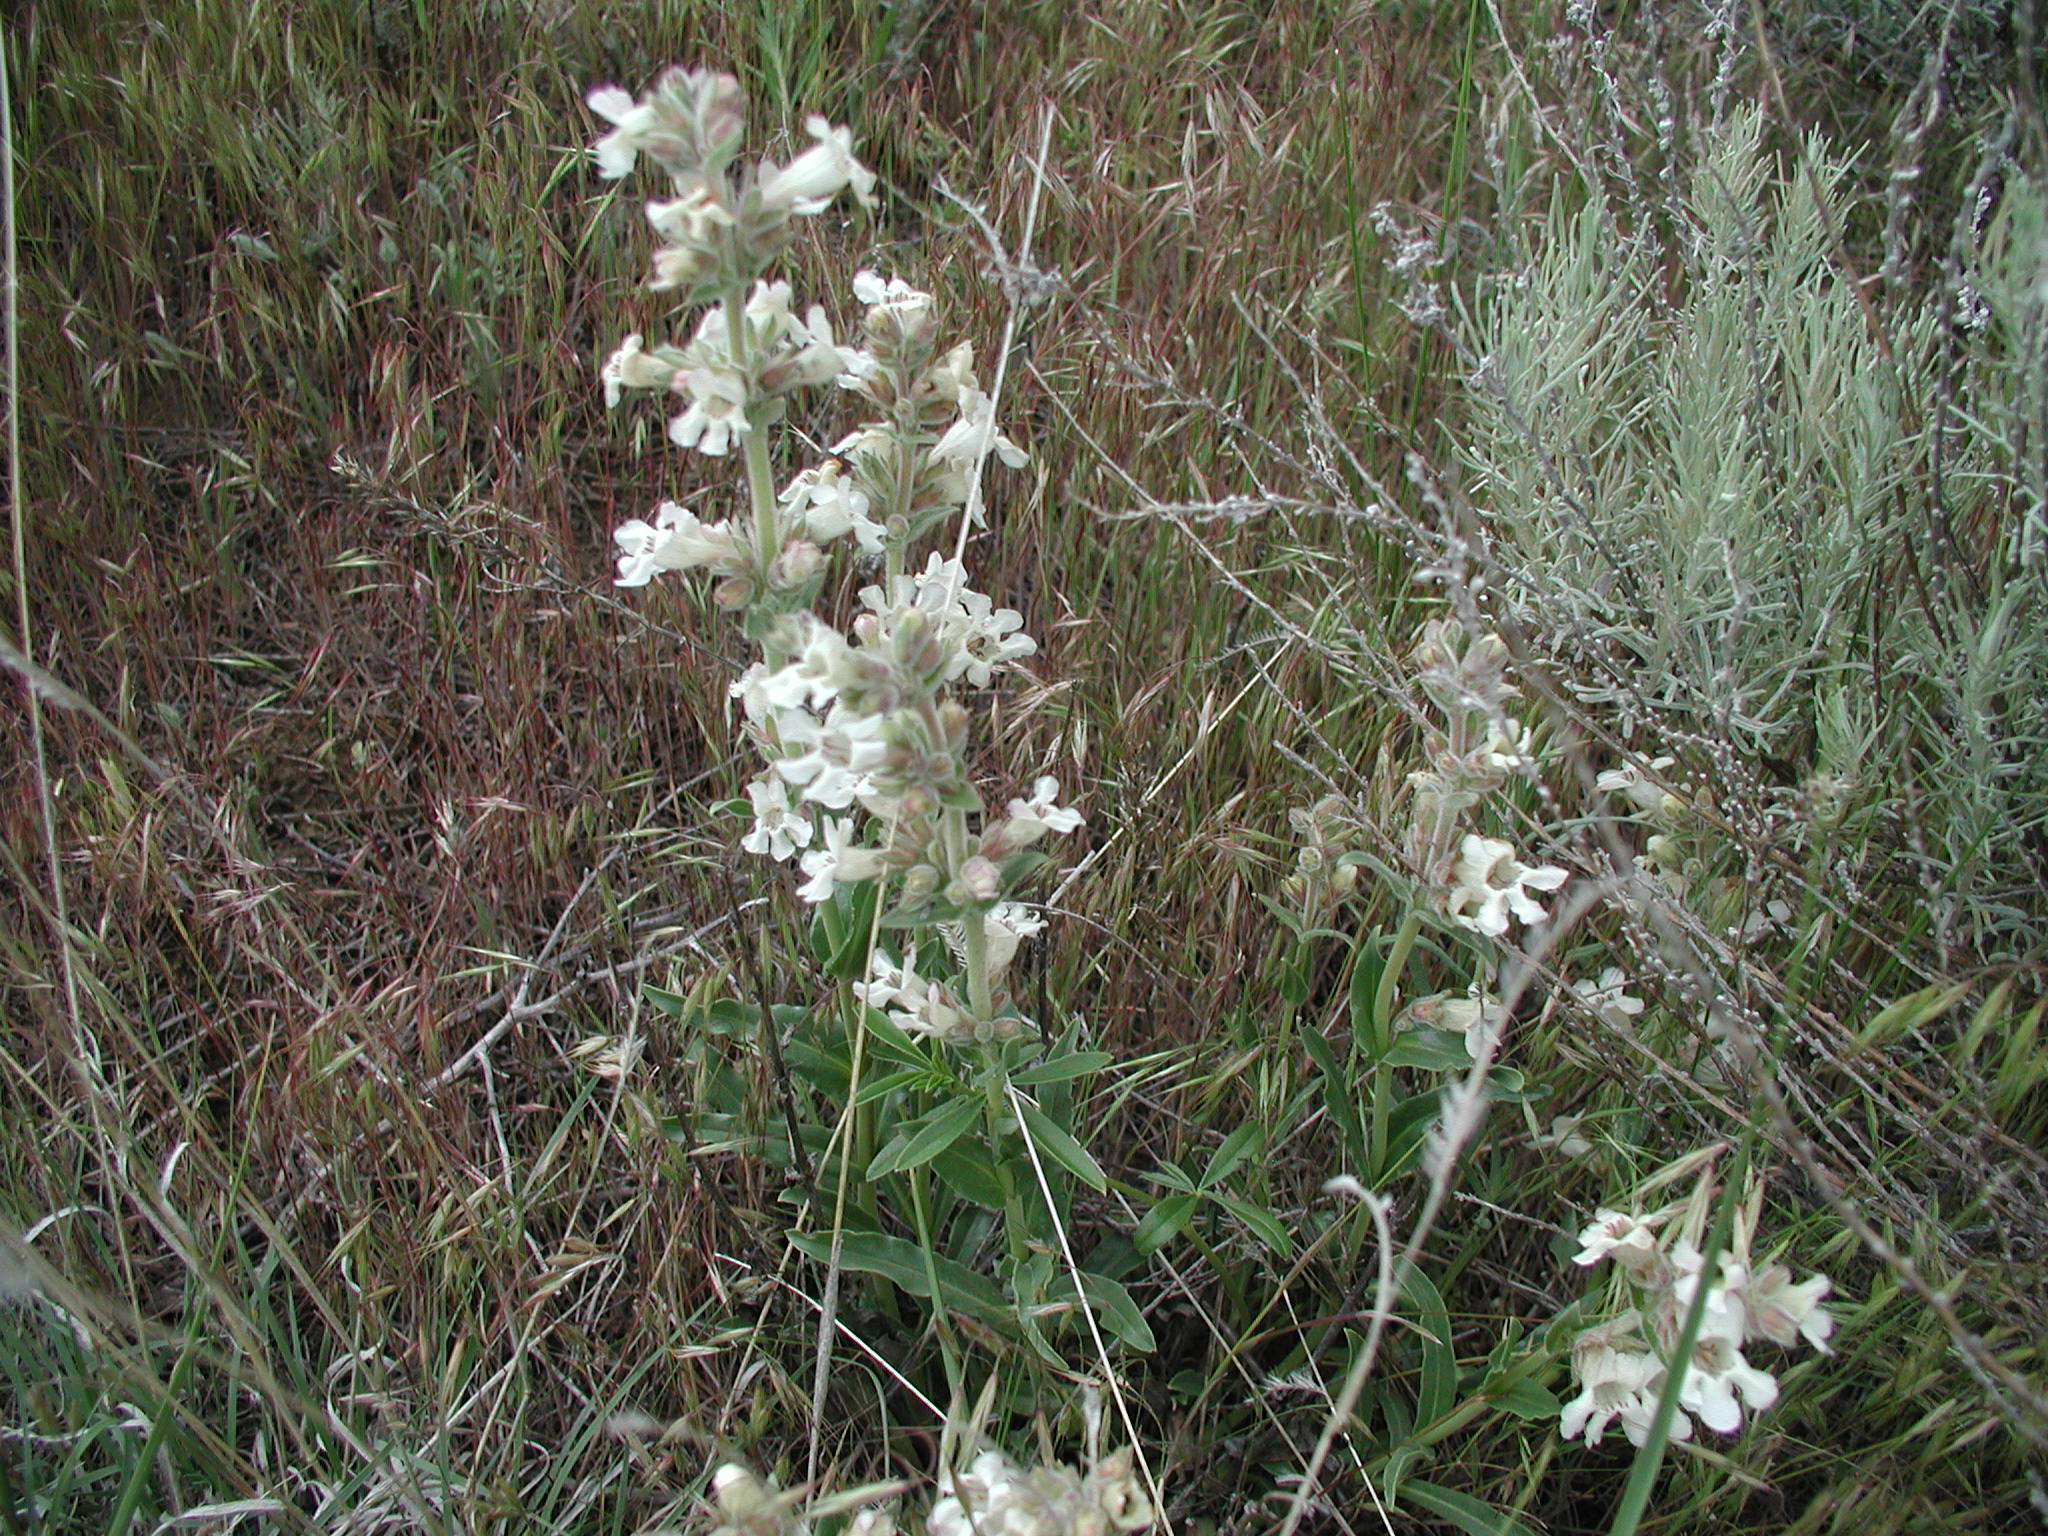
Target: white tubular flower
[
  {"x": 961, "y": 448},
  {"x": 891, "y": 297},
  {"x": 978, "y": 636},
  {"x": 717, "y": 416},
  {"x": 617, "y": 150},
  {"x": 1006, "y": 925},
  {"x": 1784, "y": 1313},
  {"x": 916, "y": 1006},
  {"x": 1506, "y": 748},
  {"x": 1631, "y": 1241},
  {"x": 1479, "y": 1019},
  {"x": 1629, "y": 782},
  {"x": 1718, "y": 1375},
  {"x": 841, "y": 861},
  {"x": 675, "y": 541},
  {"x": 839, "y": 764},
  {"x": 1564, "y": 1137},
  {"x": 632, "y": 366},
  {"x": 1609, "y": 998},
  {"x": 1491, "y": 883},
  {"x": 1031, "y": 819},
  {"x": 810, "y": 181},
  {"x": 1616, "y": 1384},
  {"x": 781, "y": 826},
  {"x": 825, "y": 503},
  {"x": 693, "y": 219}
]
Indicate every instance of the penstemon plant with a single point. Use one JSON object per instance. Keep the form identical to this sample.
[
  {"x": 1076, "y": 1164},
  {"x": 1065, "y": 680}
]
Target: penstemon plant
[{"x": 916, "y": 884}]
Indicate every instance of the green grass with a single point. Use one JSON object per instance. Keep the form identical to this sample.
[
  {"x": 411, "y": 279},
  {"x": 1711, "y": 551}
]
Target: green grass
[{"x": 319, "y": 489}]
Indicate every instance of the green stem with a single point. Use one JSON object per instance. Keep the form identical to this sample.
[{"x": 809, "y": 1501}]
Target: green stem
[{"x": 995, "y": 1110}]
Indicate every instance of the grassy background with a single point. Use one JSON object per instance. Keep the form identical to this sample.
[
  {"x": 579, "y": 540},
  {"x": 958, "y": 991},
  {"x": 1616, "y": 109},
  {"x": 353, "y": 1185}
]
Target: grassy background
[{"x": 320, "y": 490}]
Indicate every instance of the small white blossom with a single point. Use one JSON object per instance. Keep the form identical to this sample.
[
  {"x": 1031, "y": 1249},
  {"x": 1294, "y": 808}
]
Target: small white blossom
[
  {"x": 1478, "y": 1018},
  {"x": 810, "y": 181},
  {"x": 675, "y": 541},
  {"x": 717, "y": 415},
  {"x": 1563, "y": 1136},
  {"x": 632, "y": 366},
  {"x": 1631, "y": 1241},
  {"x": 1783, "y": 1312},
  {"x": 1031, "y": 819},
  {"x": 617, "y": 150},
  {"x": 978, "y": 635},
  {"x": 917, "y": 1006},
  {"x": 892, "y": 296},
  {"x": 842, "y": 861},
  {"x": 1616, "y": 1384},
  {"x": 1490, "y": 883},
  {"x": 826, "y": 503},
  {"x": 1632, "y": 784},
  {"x": 961, "y": 447},
  {"x": 781, "y": 826},
  {"x": 1608, "y": 997}
]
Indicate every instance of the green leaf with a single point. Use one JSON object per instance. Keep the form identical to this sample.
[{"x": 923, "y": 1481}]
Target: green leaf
[
  {"x": 881, "y": 1087},
  {"x": 1439, "y": 1379},
  {"x": 1526, "y": 1399},
  {"x": 1236, "y": 1147},
  {"x": 1062, "y": 1069},
  {"x": 853, "y": 923},
  {"x": 903, "y": 1263},
  {"x": 1462, "y": 1510},
  {"x": 1368, "y": 1030},
  {"x": 1432, "y": 1050},
  {"x": 966, "y": 1168},
  {"x": 1340, "y": 1093},
  {"x": 889, "y": 1039},
  {"x": 1268, "y": 1227},
  {"x": 1164, "y": 1222},
  {"x": 1061, "y": 1147},
  {"x": 1117, "y": 1311},
  {"x": 922, "y": 1140}
]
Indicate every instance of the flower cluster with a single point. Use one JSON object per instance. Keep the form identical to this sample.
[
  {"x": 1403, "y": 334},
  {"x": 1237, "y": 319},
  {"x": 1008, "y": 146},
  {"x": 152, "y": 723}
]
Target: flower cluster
[
  {"x": 994, "y": 1497},
  {"x": 867, "y": 773},
  {"x": 1622, "y": 1365},
  {"x": 1487, "y": 885}
]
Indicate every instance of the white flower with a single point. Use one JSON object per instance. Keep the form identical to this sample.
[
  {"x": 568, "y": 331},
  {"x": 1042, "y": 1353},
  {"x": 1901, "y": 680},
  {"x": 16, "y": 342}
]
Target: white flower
[
  {"x": 841, "y": 861},
  {"x": 1506, "y": 748},
  {"x": 1007, "y": 925},
  {"x": 1491, "y": 882},
  {"x": 810, "y": 181},
  {"x": 961, "y": 448},
  {"x": 1479, "y": 1019},
  {"x": 1619, "y": 1378},
  {"x": 780, "y": 825},
  {"x": 1031, "y": 819},
  {"x": 826, "y": 503},
  {"x": 1564, "y": 1136},
  {"x": 718, "y": 411},
  {"x": 978, "y": 636},
  {"x": 675, "y": 541},
  {"x": 1608, "y": 998},
  {"x": 633, "y": 367},
  {"x": 1630, "y": 782},
  {"x": 892, "y": 297},
  {"x": 1783, "y": 1312},
  {"x": 1717, "y": 1377},
  {"x": 693, "y": 219},
  {"x": 917, "y": 1006},
  {"x": 617, "y": 150},
  {"x": 1631, "y": 1241}
]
